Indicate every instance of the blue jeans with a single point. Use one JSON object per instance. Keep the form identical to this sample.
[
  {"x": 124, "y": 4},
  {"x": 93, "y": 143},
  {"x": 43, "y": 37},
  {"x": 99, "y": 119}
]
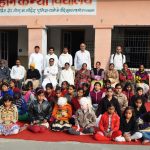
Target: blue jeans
[{"x": 146, "y": 135}]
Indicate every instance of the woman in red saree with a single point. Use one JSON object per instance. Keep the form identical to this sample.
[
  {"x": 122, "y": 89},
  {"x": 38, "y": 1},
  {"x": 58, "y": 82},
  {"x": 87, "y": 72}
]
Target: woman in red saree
[{"x": 82, "y": 76}]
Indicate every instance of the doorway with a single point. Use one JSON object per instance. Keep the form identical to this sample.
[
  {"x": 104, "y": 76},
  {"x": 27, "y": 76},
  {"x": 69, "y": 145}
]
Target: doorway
[
  {"x": 9, "y": 46},
  {"x": 72, "y": 39}
]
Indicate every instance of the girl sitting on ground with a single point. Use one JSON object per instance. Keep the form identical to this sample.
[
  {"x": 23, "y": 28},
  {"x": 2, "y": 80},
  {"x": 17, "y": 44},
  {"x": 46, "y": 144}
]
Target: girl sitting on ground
[
  {"x": 75, "y": 103},
  {"x": 50, "y": 93},
  {"x": 96, "y": 95},
  {"x": 84, "y": 126},
  {"x": 139, "y": 107},
  {"x": 106, "y": 101},
  {"x": 6, "y": 90},
  {"x": 139, "y": 93},
  {"x": 109, "y": 125},
  {"x": 129, "y": 127},
  {"x": 62, "y": 112},
  {"x": 58, "y": 94},
  {"x": 71, "y": 93},
  {"x": 8, "y": 117},
  {"x": 39, "y": 112},
  {"x": 128, "y": 91},
  {"x": 86, "y": 89},
  {"x": 27, "y": 95},
  {"x": 13, "y": 86},
  {"x": 64, "y": 88}
]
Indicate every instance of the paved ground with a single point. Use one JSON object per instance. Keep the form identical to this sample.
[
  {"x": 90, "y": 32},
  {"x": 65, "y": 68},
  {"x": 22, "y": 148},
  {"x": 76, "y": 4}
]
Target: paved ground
[{"x": 32, "y": 145}]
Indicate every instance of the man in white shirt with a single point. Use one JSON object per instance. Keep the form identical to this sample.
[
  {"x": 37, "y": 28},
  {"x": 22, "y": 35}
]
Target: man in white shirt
[
  {"x": 118, "y": 59},
  {"x": 50, "y": 74},
  {"x": 37, "y": 59},
  {"x": 82, "y": 56},
  {"x": 66, "y": 74},
  {"x": 18, "y": 73},
  {"x": 51, "y": 55},
  {"x": 64, "y": 58}
]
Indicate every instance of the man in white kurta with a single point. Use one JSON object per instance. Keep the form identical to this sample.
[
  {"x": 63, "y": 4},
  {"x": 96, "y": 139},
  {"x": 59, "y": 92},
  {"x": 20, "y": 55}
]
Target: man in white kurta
[
  {"x": 18, "y": 73},
  {"x": 50, "y": 74},
  {"x": 66, "y": 74},
  {"x": 64, "y": 58},
  {"x": 118, "y": 59},
  {"x": 82, "y": 56},
  {"x": 37, "y": 59},
  {"x": 51, "y": 54}
]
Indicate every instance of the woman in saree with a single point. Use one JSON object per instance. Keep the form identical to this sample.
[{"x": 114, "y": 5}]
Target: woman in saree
[
  {"x": 125, "y": 75},
  {"x": 142, "y": 79},
  {"x": 82, "y": 76},
  {"x": 112, "y": 75}
]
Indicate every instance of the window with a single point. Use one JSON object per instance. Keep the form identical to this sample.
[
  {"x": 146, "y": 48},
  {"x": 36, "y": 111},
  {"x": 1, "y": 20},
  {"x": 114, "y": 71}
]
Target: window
[{"x": 136, "y": 45}]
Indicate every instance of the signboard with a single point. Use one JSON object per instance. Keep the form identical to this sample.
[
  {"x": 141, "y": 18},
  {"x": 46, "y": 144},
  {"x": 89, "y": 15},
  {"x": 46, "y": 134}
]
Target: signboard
[{"x": 47, "y": 7}]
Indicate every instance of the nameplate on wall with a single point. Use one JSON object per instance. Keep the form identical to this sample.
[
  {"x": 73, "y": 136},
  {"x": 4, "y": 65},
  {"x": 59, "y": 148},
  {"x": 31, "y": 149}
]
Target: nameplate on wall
[{"x": 47, "y": 7}]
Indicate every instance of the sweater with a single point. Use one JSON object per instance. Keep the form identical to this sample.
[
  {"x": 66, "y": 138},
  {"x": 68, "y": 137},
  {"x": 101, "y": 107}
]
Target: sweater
[
  {"x": 58, "y": 112},
  {"x": 9, "y": 115},
  {"x": 21, "y": 106},
  {"x": 104, "y": 122},
  {"x": 33, "y": 74},
  {"x": 75, "y": 104},
  {"x": 122, "y": 99},
  {"x": 9, "y": 92},
  {"x": 139, "y": 112},
  {"x": 85, "y": 119},
  {"x": 130, "y": 126},
  {"x": 103, "y": 105},
  {"x": 96, "y": 96},
  {"x": 39, "y": 111},
  {"x": 134, "y": 97}
]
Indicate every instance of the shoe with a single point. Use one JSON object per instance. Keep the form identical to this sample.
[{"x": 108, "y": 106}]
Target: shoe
[{"x": 73, "y": 132}]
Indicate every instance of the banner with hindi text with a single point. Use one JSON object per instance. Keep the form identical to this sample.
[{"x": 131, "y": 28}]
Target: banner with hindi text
[{"x": 47, "y": 7}]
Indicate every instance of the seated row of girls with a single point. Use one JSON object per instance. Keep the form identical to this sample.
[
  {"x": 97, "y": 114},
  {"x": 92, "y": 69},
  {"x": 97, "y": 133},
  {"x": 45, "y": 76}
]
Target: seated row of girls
[
  {"x": 111, "y": 127},
  {"x": 80, "y": 95},
  {"x": 40, "y": 112}
]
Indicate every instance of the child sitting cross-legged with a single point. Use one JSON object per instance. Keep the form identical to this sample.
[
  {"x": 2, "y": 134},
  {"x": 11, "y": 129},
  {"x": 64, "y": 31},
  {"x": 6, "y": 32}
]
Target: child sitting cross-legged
[
  {"x": 8, "y": 117},
  {"x": 85, "y": 118},
  {"x": 39, "y": 112},
  {"x": 109, "y": 125},
  {"x": 129, "y": 127},
  {"x": 61, "y": 114}
]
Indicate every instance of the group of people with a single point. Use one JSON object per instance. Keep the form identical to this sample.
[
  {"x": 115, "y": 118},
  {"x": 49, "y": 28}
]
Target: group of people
[{"x": 109, "y": 104}]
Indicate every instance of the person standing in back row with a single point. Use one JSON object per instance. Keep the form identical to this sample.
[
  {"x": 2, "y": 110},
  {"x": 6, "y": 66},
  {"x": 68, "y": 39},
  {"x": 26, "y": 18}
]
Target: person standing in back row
[
  {"x": 118, "y": 59},
  {"x": 51, "y": 54},
  {"x": 37, "y": 59},
  {"x": 82, "y": 57},
  {"x": 65, "y": 57}
]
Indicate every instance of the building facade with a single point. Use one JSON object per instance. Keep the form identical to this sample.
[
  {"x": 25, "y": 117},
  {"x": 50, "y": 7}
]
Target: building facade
[{"x": 101, "y": 24}]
